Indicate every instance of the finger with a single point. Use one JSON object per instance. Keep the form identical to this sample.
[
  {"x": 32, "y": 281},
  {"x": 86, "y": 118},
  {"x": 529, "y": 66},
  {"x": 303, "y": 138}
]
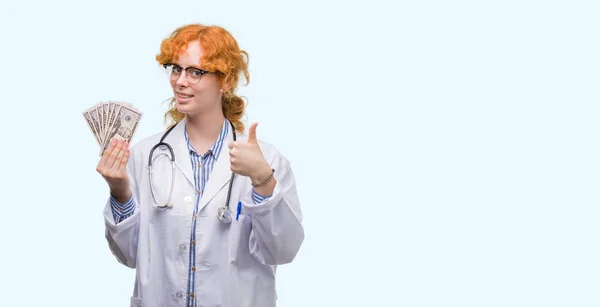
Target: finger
[
  {"x": 114, "y": 154},
  {"x": 107, "y": 152},
  {"x": 117, "y": 162},
  {"x": 233, "y": 167},
  {"x": 123, "y": 164},
  {"x": 252, "y": 134}
]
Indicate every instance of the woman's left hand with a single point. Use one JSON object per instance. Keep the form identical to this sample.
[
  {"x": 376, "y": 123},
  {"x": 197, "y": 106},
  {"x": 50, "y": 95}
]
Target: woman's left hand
[{"x": 247, "y": 159}]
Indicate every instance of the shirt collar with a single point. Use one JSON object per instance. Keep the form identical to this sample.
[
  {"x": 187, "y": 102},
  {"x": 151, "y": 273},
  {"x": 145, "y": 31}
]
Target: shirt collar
[{"x": 216, "y": 147}]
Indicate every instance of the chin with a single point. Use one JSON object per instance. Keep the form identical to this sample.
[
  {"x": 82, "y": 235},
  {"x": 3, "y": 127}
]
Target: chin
[{"x": 185, "y": 109}]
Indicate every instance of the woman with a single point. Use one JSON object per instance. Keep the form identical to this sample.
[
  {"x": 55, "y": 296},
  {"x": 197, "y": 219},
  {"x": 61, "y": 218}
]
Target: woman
[{"x": 190, "y": 253}]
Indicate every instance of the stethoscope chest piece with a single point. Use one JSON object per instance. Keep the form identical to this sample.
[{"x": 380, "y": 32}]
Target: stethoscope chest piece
[{"x": 224, "y": 215}]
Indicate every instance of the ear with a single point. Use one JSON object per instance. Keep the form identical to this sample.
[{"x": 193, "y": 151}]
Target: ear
[{"x": 222, "y": 84}]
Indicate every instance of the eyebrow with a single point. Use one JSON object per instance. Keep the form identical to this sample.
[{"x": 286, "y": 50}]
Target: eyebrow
[{"x": 187, "y": 67}]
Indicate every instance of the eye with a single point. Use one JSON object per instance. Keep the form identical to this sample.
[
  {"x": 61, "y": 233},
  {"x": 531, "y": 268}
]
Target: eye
[
  {"x": 196, "y": 72},
  {"x": 172, "y": 67},
  {"x": 175, "y": 68}
]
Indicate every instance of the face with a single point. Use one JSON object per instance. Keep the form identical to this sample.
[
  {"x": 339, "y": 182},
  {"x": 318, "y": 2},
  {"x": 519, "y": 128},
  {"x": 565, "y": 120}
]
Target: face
[{"x": 194, "y": 98}]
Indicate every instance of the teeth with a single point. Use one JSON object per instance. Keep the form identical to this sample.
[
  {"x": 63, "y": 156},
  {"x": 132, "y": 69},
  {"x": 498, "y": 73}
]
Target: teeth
[{"x": 184, "y": 96}]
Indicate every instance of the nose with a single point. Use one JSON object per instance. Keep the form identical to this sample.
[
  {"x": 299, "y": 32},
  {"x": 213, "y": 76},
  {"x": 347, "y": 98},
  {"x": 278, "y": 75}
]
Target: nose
[{"x": 182, "y": 80}]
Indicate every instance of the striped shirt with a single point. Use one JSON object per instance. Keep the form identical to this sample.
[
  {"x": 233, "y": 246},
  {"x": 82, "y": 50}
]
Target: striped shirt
[{"x": 202, "y": 166}]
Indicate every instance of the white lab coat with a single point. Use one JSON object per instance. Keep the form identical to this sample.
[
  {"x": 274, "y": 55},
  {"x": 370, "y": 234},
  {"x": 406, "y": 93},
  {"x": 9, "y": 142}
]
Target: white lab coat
[{"x": 235, "y": 263}]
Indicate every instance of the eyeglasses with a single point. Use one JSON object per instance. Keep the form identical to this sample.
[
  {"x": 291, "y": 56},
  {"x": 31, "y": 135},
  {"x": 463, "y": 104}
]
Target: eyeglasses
[{"x": 192, "y": 74}]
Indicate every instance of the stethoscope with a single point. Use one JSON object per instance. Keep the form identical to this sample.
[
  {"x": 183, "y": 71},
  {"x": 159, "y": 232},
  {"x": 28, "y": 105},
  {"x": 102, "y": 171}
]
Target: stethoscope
[{"x": 223, "y": 213}]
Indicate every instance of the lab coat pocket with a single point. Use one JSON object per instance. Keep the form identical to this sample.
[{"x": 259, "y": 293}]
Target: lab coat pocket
[
  {"x": 136, "y": 302},
  {"x": 240, "y": 241}
]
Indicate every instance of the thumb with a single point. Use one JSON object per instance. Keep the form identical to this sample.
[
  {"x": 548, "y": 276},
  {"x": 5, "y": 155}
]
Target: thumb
[{"x": 252, "y": 134}]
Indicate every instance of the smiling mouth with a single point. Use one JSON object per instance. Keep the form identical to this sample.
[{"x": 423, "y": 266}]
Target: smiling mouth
[{"x": 181, "y": 95}]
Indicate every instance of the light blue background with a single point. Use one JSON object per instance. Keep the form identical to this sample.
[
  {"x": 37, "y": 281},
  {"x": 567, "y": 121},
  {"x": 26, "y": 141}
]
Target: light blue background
[{"x": 446, "y": 152}]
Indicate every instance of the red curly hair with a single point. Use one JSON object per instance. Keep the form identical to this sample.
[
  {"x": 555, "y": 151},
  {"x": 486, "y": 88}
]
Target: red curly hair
[{"x": 220, "y": 54}]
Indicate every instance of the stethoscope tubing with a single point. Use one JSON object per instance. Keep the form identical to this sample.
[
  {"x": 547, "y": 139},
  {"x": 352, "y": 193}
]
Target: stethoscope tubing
[{"x": 221, "y": 212}]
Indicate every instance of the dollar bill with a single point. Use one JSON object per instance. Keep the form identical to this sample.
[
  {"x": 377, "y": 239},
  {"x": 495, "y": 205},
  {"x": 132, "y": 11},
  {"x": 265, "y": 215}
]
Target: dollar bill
[
  {"x": 110, "y": 116},
  {"x": 105, "y": 117},
  {"x": 96, "y": 121},
  {"x": 110, "y": 120},
  {"x": 88, "y": 118},
  {"x": 99, "y": 114},
  {"x": 123, "y": 127}
]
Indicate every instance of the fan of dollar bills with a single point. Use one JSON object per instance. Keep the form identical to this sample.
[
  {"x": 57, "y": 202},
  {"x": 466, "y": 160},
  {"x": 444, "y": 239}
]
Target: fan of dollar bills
[{"x": 112, "y": 119}]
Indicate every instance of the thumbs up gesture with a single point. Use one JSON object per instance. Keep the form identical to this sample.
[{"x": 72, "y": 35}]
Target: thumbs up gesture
[{"x": 247, "y": 159}]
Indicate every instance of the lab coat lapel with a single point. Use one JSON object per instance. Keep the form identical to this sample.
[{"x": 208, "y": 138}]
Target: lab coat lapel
[
  {"x": 181, "y": 151},
  {"x": 220, "y": 175}
]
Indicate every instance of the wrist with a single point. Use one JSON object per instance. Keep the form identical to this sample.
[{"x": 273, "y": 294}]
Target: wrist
[
  {"x": 261, "y": 175},
  {"x": 121, "y": 195},
  {"x": 266, "y": 186}
]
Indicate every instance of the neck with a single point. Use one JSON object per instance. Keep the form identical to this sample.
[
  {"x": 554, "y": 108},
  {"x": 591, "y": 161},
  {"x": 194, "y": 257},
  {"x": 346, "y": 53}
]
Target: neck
[{"x": 203, "y": 129}]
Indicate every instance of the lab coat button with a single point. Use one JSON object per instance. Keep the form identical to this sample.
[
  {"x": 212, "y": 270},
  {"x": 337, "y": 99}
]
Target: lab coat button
[
  {"x": 179, "y": 295},
  {"x": 188, "y": 199},
  {"x": 182, "y": 247}
]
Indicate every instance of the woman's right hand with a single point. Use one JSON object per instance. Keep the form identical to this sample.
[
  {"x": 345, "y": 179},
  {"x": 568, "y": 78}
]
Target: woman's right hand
[{"x": 113, "y": 167}]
